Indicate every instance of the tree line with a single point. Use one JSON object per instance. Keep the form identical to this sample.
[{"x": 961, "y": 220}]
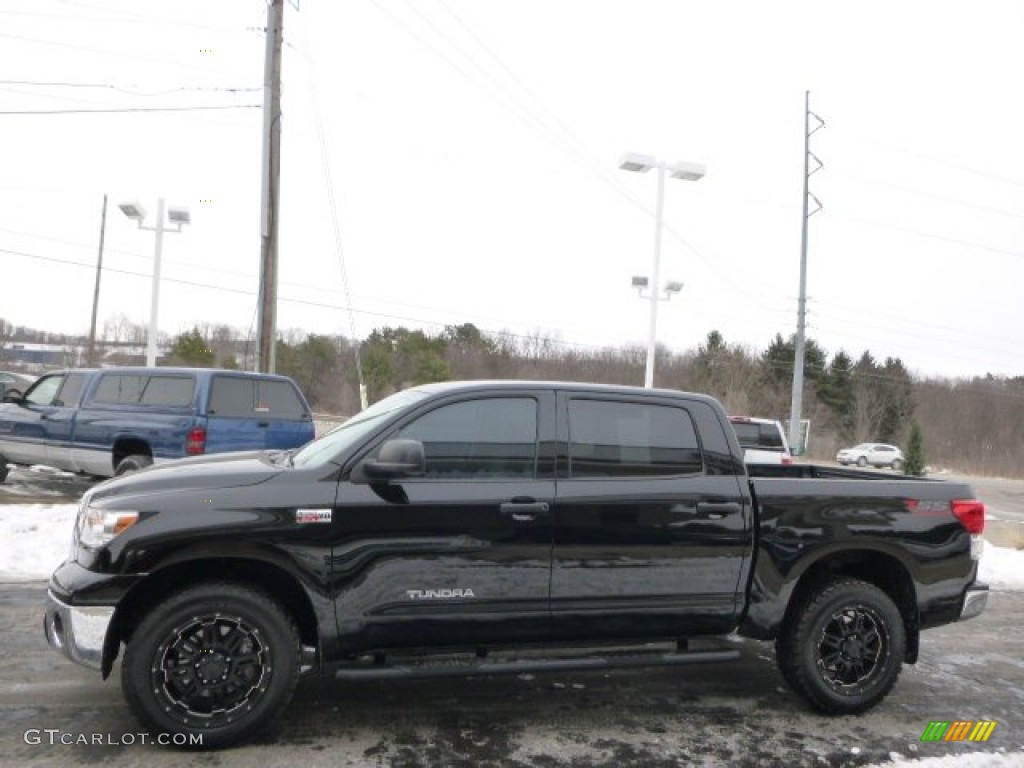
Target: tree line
[{"x": 972, "y": 425}]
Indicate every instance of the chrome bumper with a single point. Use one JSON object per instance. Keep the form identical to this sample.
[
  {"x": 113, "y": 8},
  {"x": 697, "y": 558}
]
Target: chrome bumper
[
  {"x": 975, "y": 600},
  {"x": 77, "y": 631}
]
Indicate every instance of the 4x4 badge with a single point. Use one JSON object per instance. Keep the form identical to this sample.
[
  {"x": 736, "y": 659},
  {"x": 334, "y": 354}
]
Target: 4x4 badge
[{"x": 313, "y": 515}]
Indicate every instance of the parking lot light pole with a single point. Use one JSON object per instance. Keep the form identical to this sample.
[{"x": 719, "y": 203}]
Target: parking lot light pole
[
  {"x": 688, "y": 172},
  {"x": 179, "y": 217}
]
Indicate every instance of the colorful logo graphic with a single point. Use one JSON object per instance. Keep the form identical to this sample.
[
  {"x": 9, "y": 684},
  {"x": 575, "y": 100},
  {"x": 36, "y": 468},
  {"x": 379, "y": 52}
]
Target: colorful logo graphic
[{"x": 958, "y": 730}]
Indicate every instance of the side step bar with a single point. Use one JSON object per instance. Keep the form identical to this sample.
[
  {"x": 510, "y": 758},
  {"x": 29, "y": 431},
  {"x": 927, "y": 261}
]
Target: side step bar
[{"x": 519, "y": 666}]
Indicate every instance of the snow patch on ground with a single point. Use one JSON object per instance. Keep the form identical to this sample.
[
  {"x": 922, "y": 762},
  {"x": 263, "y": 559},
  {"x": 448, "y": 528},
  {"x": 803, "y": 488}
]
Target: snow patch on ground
[
  {"x": 960, "y": 760},
  {"x": 34, "y": 539}
]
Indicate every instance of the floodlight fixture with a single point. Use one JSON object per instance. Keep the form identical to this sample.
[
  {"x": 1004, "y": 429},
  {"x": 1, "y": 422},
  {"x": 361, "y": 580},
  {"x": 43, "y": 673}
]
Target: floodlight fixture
[
  {"x": 687, "y": 171},
  {"x": 631, "y": 161},
  {"x": 179, "y": 215},
  {"x": 133, "y": 211}
]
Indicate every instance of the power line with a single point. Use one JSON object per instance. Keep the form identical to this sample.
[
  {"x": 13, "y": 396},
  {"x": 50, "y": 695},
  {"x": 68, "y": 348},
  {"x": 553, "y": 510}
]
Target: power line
[
  {"x": 115, "y": 110},
  {"x": 939, "y": 161},
  {"x": 133, "y": 89},
  {"x": 930, "y": 195},
  {"x": 303, "y": 302},
  {"x": 932, "y": 236}
]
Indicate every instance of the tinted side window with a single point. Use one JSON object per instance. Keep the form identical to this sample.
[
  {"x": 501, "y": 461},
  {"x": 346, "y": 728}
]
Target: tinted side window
[
  {"x": 169, "y": 390},
  {"x": 71, "y": 392},
  {"x": 610, "y": 439},
  {"x": 495, "y": 437},
  {"x": 119, "y": 388},
  {"x": 279, "y": 400},
  {"x": 232, "y": 396}
]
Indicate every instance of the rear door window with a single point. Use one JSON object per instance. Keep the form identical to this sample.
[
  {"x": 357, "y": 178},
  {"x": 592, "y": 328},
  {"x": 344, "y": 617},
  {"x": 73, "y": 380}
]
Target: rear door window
[{"x": 620, "y": 439}]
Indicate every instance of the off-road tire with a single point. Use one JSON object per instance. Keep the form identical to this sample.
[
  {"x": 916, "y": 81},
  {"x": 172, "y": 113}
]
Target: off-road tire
[
  {"x": 843, "y": 646},
  {"x": 218, "y": 660}
]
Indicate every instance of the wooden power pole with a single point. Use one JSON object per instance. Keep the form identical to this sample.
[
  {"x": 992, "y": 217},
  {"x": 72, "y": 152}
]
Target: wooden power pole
[
  {"x": 266, "y": 360},
  {"x": 90, "y": 355}
]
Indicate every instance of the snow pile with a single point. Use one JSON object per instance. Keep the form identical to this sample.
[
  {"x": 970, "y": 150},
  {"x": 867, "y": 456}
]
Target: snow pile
[
  {"x": 34, "y": 539},
  {"x": 1001, "y": 567}
]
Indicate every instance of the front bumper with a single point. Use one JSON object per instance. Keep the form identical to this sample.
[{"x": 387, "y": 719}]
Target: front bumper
[
  {"x": 77, "y": 631},
  {"x": 975, "y": 600}
]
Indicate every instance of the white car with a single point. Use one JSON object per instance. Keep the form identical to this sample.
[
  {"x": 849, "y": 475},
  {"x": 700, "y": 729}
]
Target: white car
[
  {"x": 874, "y": 454},
  {"x": 763, "y": 440}
]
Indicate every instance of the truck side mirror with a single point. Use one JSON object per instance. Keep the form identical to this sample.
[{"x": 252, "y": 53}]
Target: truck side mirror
[
  {"x": 396, "y": 459},
  {"x": 12, "y": 396}
]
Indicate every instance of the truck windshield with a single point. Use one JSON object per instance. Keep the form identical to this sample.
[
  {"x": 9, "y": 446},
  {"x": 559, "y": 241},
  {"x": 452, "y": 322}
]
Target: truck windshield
[{"x": 344, "y": 436}]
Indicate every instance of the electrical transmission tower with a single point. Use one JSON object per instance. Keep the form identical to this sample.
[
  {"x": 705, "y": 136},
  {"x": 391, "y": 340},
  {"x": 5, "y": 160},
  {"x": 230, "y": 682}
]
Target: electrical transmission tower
[{"x": 796, "y": 441}]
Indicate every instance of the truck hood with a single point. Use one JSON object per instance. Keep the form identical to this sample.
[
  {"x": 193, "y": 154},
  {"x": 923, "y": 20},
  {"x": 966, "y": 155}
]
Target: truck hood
[{"x": 228, "y": 470}]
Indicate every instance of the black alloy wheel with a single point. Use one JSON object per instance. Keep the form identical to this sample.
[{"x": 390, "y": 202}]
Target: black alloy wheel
[
  {"x": 842, "y": 646},
  {"x": 851, "y": 649},
  {"x": 216, "y": 662}
]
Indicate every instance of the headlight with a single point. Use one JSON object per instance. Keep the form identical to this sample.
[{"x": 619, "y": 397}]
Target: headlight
[{"x": 97, "y": 527}]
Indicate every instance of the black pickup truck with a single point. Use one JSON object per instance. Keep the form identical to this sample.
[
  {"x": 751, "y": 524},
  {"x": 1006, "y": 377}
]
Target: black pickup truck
[{"x": 495, "y": 527}]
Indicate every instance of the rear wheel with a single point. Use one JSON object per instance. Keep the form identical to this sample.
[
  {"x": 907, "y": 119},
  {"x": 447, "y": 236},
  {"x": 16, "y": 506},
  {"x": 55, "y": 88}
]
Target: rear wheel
[
  {"x": 218, "y": 661},
  {"x": 844, "y": 647},
  {"x": 3, "y": 468},
  {"x": 133, "y": 463}
]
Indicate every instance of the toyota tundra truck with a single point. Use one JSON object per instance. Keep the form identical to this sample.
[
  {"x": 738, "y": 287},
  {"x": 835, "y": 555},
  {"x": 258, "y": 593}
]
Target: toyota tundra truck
[{"x": 485, "y": 528}]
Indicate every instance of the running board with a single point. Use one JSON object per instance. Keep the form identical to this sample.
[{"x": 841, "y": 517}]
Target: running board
[{"x": 385, "y": 671}]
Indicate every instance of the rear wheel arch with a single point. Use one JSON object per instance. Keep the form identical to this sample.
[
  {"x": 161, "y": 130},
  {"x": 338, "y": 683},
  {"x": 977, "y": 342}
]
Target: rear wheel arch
[
  {"x": 881, "y": 569},
  {"x": 129, "y": 446},
  {"x": 261, "y": 575}
]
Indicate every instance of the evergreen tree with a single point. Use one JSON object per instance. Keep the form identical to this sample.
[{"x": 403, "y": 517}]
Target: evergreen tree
[
  {"x": 914, "y": 459},
  {"x": 192, "y": 349}
]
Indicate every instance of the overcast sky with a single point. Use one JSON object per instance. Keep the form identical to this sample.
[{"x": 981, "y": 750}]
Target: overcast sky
[{"x": 473, "y": 149}]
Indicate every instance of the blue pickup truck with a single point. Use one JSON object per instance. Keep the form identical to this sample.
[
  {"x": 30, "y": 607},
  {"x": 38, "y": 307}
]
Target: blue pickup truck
[{"x": 106, "y": 422}]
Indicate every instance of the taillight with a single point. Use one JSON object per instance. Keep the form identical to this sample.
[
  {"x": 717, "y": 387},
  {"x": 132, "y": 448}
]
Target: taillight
[
  {"x": 787, "y": 460},
  {"x": 195, "y": 441},
  {"x": 970, "y": 513}
]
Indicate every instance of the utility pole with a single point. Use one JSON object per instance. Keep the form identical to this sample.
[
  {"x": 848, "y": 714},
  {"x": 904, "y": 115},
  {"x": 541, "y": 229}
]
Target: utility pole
[
  {"x": 90, "y": 355},
  {"x": 795, "y": 432},
  {"x": 267, "y": 330}
]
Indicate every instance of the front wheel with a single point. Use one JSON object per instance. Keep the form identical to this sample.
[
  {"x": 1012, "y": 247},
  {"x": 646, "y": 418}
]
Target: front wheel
[
  {"x": 897, "y": 465},
  {"x": 844, "y": 646},
  {"x": 862, "y": 461},
  {"x": 217, "y": 662}
]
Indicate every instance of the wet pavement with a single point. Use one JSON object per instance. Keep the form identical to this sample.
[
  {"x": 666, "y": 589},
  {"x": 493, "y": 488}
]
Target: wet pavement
[{"x": 738, "y": 714}]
